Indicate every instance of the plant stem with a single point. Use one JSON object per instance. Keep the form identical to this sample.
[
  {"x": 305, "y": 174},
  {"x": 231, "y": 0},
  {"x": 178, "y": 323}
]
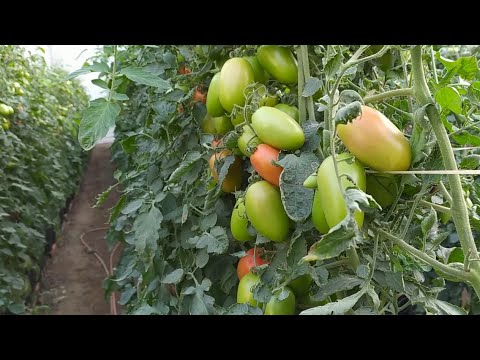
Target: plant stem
[
  {"x": 306, "y": 72},
  {"x": 445, "y": 192},
  {"x": 462, "y": 275},
  {"x": 434, "y": 68},
  {"x": 301, "y": 84},
  {"x": 439, "y": 208},
  {"x": 458, "y": 206},
  {"x": 114, "y": 72},
  {"x": 388, "y": 94}
]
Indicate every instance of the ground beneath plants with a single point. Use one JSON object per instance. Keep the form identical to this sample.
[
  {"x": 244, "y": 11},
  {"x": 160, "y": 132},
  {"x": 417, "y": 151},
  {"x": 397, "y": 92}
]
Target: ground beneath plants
[{"x": 73, "y": 277}]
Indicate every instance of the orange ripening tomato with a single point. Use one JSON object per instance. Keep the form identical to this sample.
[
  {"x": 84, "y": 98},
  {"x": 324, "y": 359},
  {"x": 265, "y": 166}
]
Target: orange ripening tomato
[
  {"x": 233, "y": 180},
  {"x": 184, "y": 70},
  {"x": 248, "y": 261},
  {"x": 198, "y": 96},
  {"x": 261, "y": 161},
  {"x": 374, "y": 140}
]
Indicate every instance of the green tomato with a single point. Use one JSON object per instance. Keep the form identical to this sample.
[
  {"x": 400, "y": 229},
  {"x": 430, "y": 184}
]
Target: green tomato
[
  {"x": 335, "y": 208},
  {"x": 5, "y": 123},
  {"x": 248, "y": 138},
  {"x": 5, "y": 109},
  {"x": 279, "y": 62},
  {"x": 208, "y": 125},
  {"x": 214, "y": 107},
  {"x": 311, "y": 182},
  {"x": 289, "y": 110},
  {"x": 239, "y": 222},
  {"x": 301, "y": 285},
  {"x": 277, "y": 129},
  {"x": 235, "y": 76},
  {"x": 260, "y": 75},
  {"x": 281, "y": 307},
  {"x": 265, "y": 211},
  {"x": 318, "y": 214},
  {"x": 244, "y": 291},
  {"x": 383, "y": 188},
  {"x": 222, "y": 124}
]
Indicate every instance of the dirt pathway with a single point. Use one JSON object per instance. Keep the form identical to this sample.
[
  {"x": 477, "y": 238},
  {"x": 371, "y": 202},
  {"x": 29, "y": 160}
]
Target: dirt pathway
[{"x": 72, "y": 279}]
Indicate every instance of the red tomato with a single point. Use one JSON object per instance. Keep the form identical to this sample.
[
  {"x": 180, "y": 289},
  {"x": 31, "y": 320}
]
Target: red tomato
[
  {"x": 248, "y": 261},
  {"x": 198, "y": 95},
  {"x": 261, "y": 161},
  {"x": 184, "y": 70}
]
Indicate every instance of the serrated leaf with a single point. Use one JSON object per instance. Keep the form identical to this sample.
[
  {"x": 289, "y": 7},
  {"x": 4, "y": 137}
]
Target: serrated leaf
[
  {"x": 146, "y": 309},
  {"x": 312, "y": 85},
  {"x": 226, "y": 162},
  {"x": 362, "y": 271},
  {"x": 440, "y": 307},
  {"x": 132, "y": 206},
  {"x": 449, "y": 99},
  {"x": 349, "y": 96},
  {"x": 243, "y": 309},
  {"x": 297, "y": 200},
  {"x": 185, "y": 166},
  {"x": 141, "y": 76},
  {"x": 339, "y": 307},
  {"x": 466, "y": 67},
  {"x": 129, "y": 145},
  {"x": 283, "y": 295},
  {"x": 296, "y": 251},
  {"x": 216, "y": 241},
  {"x": 333, "y": 65},
  {"x": 146, "y": 227},
  {"x": 208, "y": 221},
  {"x": 336, "y": 284},
  {"x": 395, "y": 280},
  {"x": 97, "y": 120},
  {"x": 357, "y": 200},
  {"x": 101, "y": 198},
  {"x": 348, "y": 112},
  {"x": 339, "y": 239},
  {"x": 174, "y": 277}
]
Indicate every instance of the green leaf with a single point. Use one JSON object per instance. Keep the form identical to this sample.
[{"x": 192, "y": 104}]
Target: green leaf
[
  {"x": 174, "y": 277},
  {"x": 449, "y": 99},
  {"x": 97, "y": 120},
  {"x": 374, "y": 296},
  {"x": 216, "y": 241},
  {"x": 312, "y": 85},
  {"x": 440, "y": 307},
  {"x": 243, "y": 309},
  {"x": 202, "y": 258},
  {"x": 17, "y": 308},
  {"x": 470, "y": 162},
  {"x": 332, "y": 65},
  {"x": 429, "y": 221},
  {"x": 466, "y": 67},
  {"x": 297, "y": 200},
  {"x": 132, "y": 206},
  {"x": 146, "y": 227},
  {"x": 348, "y": 112},
  {"x": 357, "y": 200},
  {"x": 340, "y": 283},
  {"x": 339, "y": 307},
  {"x": 141, "y": 76},
  {"x": 117, "y": 208},
  {"x": 350, "y": 96},
  {"x": 198, "y": 307},
  {"x": 185, "y": 166},
  {"x": 296, "y": 251},
  {"x": 146, "y": 309},
  {"x": 119, "y": 97},
  {"x": 395, "y": 280},
  {"x": 362, "y": 271},
  {"x": 129, "y": 145},
  {"x": 339, "y": 239},
  {"x": 96, "y": 67},
  {"x": 100, "y": 83},
  {"x": 465, "y": 138}
]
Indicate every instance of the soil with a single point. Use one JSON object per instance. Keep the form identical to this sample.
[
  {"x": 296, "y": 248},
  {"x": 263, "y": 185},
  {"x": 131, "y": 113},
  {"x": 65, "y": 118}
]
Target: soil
[{"x": 73, "y": 277}]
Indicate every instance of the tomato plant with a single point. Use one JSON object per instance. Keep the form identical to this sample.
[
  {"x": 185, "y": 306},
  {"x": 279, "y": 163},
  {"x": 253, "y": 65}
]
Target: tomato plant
[
  {"x": 233, "y": 179},
  {"x": 286, "y": 306},
  {"x": 41, "y": 166},
  {"x": 328, "y": 234}
]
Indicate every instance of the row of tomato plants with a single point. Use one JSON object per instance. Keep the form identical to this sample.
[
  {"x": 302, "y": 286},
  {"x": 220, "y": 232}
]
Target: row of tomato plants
[
  {"x": 41, "y": 163},
  {"x": 218, "y": 149}
]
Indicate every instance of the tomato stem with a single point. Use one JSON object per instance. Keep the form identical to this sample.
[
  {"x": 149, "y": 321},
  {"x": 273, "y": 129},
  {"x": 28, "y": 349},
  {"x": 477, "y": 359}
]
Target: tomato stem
[
  {"x": 462, "y": 275},
  {"x": 439, "y": 208},
  {"x": 445, "y": 192},
  {"x": 306, "y": 72},
  {"x": 458, "y": 205},
  {"x": 388, "y": 94},
  {"x": 114, "y": 72},
  {"x": 301, "y": 84}
]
